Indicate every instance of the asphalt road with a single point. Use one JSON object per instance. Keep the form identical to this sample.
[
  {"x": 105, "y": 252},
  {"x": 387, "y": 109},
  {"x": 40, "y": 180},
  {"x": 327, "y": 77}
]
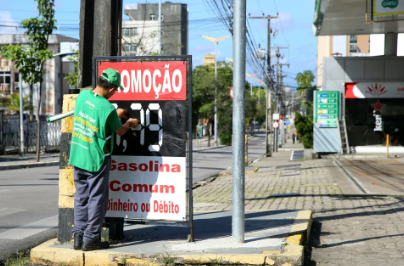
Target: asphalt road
[
  {"x": 29, "y": 197},
  {"x": 211, "y": 162},
  {"x": 28, "y": 208}
]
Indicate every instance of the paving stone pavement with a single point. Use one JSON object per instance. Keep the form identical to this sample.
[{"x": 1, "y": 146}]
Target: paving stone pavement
[{"x": 346, "y": 230}]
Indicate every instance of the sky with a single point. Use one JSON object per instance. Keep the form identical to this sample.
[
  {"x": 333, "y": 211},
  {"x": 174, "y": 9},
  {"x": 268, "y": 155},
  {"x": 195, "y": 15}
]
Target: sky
[{"x": 294, "y": 28}]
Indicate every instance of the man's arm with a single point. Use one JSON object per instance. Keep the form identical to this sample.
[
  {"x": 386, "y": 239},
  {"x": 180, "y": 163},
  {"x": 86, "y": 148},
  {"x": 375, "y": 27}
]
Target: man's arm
[{"x": 131, "y": 123}]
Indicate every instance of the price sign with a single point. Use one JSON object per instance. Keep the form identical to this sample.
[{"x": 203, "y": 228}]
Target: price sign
[
  {"x": 148, "y": 174},
  {"x": 327, "y": 109}
]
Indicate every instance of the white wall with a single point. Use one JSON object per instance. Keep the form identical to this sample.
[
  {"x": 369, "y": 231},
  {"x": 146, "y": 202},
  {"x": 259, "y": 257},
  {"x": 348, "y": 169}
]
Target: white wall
[
  {"x": 376, "y": 44},
  {"x": 147, "y": 31},
  {"x": 339, "y": 44}
]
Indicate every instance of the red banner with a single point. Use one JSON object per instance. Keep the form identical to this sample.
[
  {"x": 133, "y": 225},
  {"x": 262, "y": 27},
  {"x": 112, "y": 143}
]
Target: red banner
[{"x": 149, "y": 81}]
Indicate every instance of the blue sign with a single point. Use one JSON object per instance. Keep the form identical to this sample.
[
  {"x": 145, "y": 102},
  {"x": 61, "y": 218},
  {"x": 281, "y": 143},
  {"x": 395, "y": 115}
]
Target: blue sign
[
  {"x": 287, "y": 123},
  {"x": 323, "y": 117},
  {"x": 323, "y": 95}
]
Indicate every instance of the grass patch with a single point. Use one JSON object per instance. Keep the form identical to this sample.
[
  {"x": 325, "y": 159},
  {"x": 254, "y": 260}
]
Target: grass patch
[
  {"x": 166, "y": 259},
  {"x": 21, "y": 259}
]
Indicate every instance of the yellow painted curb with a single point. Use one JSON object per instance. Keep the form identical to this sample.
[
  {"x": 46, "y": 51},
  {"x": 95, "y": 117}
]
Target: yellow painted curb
[
  {"x": 303, "y": 226},
  {"x": 258, "y": 259}
]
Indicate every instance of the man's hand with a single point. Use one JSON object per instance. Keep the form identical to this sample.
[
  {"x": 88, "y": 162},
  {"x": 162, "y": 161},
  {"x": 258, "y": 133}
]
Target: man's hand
[
  {"x": 122, "y": 113},
  {"x": 133, "y": 122}
]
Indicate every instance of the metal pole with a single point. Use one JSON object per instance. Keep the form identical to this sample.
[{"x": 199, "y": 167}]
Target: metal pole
[
  {"x": 251, "y": 87},
  {"x": 216, "y": 138},
  {"x": 159, "y": 27},
  {"x": 239, "y": 50},
  {"x": 277, "y": 99},
  {"x": 21, "y": 119},
  {"x": 190, "y": 142},
  {"x": 11, "y": 78},
  {"x": 268, "y": 139}
]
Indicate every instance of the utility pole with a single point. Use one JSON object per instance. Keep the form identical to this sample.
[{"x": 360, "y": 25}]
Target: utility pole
[
  {"x": 239, "y": 50},
  {"x": 282, "y": 91},
  {"x": 277, "y": 92},
  {"x": 282, "y": 100},
  {"x": 268, "y": 124},
  {"x": 159, "y": 27}
]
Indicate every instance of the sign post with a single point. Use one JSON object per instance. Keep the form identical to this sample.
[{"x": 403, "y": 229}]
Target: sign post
[{"x": 148, "y": 180}]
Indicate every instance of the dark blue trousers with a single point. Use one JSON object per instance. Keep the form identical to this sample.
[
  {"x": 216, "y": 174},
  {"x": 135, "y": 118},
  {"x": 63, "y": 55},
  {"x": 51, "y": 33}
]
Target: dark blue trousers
[{"x": 91, "y": 200}]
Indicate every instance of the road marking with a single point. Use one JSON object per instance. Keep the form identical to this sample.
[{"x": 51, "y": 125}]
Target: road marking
[
  {"x": 30, "y": 229},
  {"x": 8, "y": 211}
]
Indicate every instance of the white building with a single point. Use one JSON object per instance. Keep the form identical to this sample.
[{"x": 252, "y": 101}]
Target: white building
[
  {"x": 54, "y": 86},
  {"x": 139, "y": 37}
]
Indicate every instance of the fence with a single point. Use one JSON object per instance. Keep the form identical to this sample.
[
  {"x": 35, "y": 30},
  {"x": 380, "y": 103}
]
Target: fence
[{"x": 9, "y": 134}]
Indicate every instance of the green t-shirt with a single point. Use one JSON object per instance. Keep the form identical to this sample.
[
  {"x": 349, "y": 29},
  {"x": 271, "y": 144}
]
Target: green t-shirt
[{"x": 94, "y": 123}]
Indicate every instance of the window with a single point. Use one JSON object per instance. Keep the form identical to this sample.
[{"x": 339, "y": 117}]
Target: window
[
  {"x": 129, "y": 32},
  {"x": 353, "y": 44},
  {"x": 152, "y": 17},
  {"x": 130, "y": 48}
]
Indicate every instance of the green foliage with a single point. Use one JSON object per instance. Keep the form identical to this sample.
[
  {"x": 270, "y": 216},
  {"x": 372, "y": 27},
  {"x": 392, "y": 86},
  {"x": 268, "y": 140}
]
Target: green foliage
[
  {"x": 72, "y": 77},
  {"x": 203, "y": 97},
  {"x": 12, "y": 102},
  {"x": 304, "y": 81},
  {"x": 304, "y": 126},
  {"x": 29, "y": 59},
  {"x": 20, "y": 259}
]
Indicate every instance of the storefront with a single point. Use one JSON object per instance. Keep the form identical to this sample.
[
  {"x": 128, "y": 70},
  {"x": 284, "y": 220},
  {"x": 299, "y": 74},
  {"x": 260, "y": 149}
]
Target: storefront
[{"x": 374, "y": 110}]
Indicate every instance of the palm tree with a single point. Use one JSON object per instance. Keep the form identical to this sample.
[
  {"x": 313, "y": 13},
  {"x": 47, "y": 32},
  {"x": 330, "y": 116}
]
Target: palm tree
[
  {"x": 304, "y": 81},
  {"x": 12, "y": 103}
]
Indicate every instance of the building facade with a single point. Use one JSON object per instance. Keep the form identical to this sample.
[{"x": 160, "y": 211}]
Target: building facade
[
  {"x": 140, "y": 33},
  {"x": 55, "y": 69},
  {"x": 351, "y": 46}
]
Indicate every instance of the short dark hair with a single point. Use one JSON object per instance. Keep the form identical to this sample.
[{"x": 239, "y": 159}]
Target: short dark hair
[{"x": 103, "y": 83}]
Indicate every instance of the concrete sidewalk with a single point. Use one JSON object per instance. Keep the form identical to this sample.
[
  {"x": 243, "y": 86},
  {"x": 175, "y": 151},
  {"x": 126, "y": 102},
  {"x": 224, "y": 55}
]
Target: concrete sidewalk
[
  {"x": 10, "y": 162},
  {"x": 273, "y": 237},
  {"x": 349, "y": 227}
]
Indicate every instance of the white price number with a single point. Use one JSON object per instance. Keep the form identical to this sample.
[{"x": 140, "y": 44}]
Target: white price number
[{"x": 142, "y": 125}]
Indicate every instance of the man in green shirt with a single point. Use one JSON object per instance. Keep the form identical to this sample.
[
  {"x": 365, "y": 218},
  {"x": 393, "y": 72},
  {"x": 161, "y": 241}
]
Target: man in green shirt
[{"x": 94, "y": 124}]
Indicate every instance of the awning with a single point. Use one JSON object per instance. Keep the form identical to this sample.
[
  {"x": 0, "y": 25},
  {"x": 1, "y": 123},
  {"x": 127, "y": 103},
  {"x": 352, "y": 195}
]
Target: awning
[{"x": 348, "y": 17}]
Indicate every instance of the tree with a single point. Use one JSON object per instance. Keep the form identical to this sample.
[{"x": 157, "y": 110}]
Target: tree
[
  {"x": 203, "y": 97},
  {"x": 72, "y": 78},
  {"x": 304, "y": 126},
  {"x": 304, "y": 81},
  {"x": 30, "y": 59},
  {"x": 12, "y": 102}
]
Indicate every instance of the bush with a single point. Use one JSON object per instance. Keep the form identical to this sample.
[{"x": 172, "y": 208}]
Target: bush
[{"x": 304, "y": 127}]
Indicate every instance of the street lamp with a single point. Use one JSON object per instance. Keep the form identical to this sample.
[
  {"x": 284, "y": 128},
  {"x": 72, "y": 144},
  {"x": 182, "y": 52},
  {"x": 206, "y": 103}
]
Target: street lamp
[
  {"x": 261, "y": 81},
  {"x": 252, "y": 76},
  {"x": 216, "y": 41}
]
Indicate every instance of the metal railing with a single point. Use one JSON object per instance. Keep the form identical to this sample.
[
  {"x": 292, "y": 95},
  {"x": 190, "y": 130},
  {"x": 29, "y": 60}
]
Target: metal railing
[{"x": 9, "y": 134}]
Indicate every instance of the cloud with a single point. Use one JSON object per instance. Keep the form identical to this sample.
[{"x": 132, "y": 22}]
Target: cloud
[{"x": 6, "y": 19}]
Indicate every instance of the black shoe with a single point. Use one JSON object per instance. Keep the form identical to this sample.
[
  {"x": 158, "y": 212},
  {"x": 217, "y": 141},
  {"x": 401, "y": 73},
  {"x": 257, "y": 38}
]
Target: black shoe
[
  {"x": 94, "y": 244},
  {"x": 78, "y": 241}
]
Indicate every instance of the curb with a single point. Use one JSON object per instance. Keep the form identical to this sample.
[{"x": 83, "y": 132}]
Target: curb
[
  {"x": 28, "y": 165},
  {"x": 292, "y": 254}
]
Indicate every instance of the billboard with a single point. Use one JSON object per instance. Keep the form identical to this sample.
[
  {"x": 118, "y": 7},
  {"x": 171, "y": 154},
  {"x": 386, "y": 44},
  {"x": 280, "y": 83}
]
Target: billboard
[
  {"x": 388, "y": 7},
  {"x": 148, "y": 174}
]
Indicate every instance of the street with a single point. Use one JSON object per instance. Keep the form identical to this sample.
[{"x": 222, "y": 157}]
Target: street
[
  {"x": 29, "y": 197},
  {"x": 28, "y": 208}
]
